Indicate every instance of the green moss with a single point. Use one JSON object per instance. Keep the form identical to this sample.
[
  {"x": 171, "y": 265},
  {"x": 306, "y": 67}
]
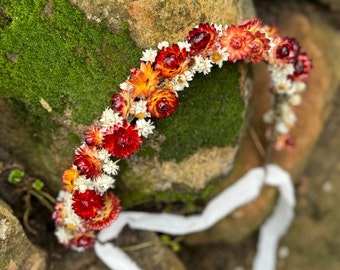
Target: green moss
[
  {"x": 209, "y": 114},
  {"x": 58, "y": 56},
  {"x": 73, "y": 138}
]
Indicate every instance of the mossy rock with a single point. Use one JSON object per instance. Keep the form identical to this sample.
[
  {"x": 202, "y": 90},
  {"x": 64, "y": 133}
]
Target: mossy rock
[{"x": 58, "y": 72}]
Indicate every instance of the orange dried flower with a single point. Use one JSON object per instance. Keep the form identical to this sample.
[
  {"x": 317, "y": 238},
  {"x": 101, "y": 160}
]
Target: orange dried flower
[
  {"x": 144, "y": 80},
  {"x": 237, "y": 40},
  {"x": 171, "y": 61},
  {"x": 69, "y": 177},
  {"x": 94, "y": 136},
  {"x": 252, "y": 25},
  {"x": 259, "y": 48},
  {"x": 162, "y": 103}
]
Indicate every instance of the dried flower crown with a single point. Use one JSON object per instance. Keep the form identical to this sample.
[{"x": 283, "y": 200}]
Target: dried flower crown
[{"x": 86, "y": 203}]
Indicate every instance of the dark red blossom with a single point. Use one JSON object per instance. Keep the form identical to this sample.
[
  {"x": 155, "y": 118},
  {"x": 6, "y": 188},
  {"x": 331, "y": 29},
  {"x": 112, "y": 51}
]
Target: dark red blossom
[
  {"x": 203, "y": 39},
  {"x": 302, "y": 66},
  {"x": 171, "y": 61},
  {"x": 287, "y": 50},
  {"x": 86, "y": 161},
  {"x": 121, "y": 102},
  {"x": 284, "y": 141},
  {"x": 122, "y": 141},
  {"x": 162, "y": 103},
  {"x": 87, "y": 204},
  {"x": 107, "y": 214}
]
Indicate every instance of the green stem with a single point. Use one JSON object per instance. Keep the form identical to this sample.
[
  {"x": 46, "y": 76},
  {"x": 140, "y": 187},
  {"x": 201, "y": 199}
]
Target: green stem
[{"x": 41, "y": 199}]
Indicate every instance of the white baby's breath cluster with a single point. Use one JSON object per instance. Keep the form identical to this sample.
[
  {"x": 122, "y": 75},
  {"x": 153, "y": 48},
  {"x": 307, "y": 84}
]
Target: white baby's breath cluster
[{"x": 288, "y": 94}]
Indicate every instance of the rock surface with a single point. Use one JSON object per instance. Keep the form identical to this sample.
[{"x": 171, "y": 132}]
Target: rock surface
[
  {"x": 16, "y": 251},
  {"x": 321, "y": 42},
  {"x": 151, "y": 22}
]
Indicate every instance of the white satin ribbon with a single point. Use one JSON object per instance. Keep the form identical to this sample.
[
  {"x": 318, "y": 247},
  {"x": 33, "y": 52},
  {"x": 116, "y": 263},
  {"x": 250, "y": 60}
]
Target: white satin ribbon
[{"x": 242, "y": 192}]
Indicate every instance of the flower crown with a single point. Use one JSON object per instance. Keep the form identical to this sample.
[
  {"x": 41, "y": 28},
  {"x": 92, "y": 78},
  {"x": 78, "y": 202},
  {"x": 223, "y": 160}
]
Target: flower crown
[{"x": 86, "y": 203}]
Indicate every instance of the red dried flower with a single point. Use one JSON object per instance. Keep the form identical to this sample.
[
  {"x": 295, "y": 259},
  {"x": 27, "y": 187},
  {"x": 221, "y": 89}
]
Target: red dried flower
[
  {"x": 87, "y": 204},
  {"x": 162, "y": 103},
  {"x": 287, "y": 50},
  {"x": 284, "y": 141},
  {"x": 259, "y": 48},
  {"x": 144, "y": 80},
  {"x": 302, "y": 66},
  {"x": 171, "y": 61},
  {"x": 123, "y": 141},
  {"x": 121, "y": 103},
  {"x": 107, "y": 214},
  {"x": 86, "y": 161},
  {"x": 237, "y": 40},
  {"x": 83, "y": 241},
  {"x": 94, "y": 136},
  {"x": 203, "y": 39}
]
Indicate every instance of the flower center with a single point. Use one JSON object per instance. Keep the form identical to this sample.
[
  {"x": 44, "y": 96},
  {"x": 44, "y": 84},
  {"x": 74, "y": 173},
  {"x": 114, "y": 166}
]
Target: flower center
[
  {"x": 236, "y": 43},
  {"x": 282, "y": 52},
  {"x": 199, "y": 37},
  {"x": 163, "y": 105},
  {"x": 170, "y": 61},
  {"x": 299, "y": 67}
]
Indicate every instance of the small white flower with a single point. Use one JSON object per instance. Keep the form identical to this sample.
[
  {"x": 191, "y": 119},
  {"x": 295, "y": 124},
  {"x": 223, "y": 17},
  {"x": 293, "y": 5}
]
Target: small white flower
[
  {"x": 327, "y": 186},
  {"x": 184, "y": 45},
  {"x": 299, "y": 86},
  {"x": 144, "y": 127},
  {"x": 283, "y": 86},
  {"x": 282, "y": 128},
  {"x": 269, "y": 117},
  {"x": 180, "y": 81},
  {"x": 82, "y": 184},
  {"x": 68, "y": 199},
  {"x": 103, "y": 182},
  {"x": 61, "y": 195},
  {"x": 71, "y": 218},
  {"x": 281, "y": 72},
  {"x": 103, "y": 154},
  {"x": 288, "y": 116},
  {"x": 125, "y": 86},
  {"x": 139, "y": 107},
  {"x": 219, "y": 56},
  {"x": 202, "y": 65},
  {"x": 283, "y": 252},
  {"x": 149, "y": 55},
  {"x": 111, "y": 167},
  {"x": 63, "y": 235},
  {"x": 163, "y": 44},
  {"x": 218, "y": 27},
  {"x": 295, "y": 100},
  {"x": 110, "y": 118}
]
